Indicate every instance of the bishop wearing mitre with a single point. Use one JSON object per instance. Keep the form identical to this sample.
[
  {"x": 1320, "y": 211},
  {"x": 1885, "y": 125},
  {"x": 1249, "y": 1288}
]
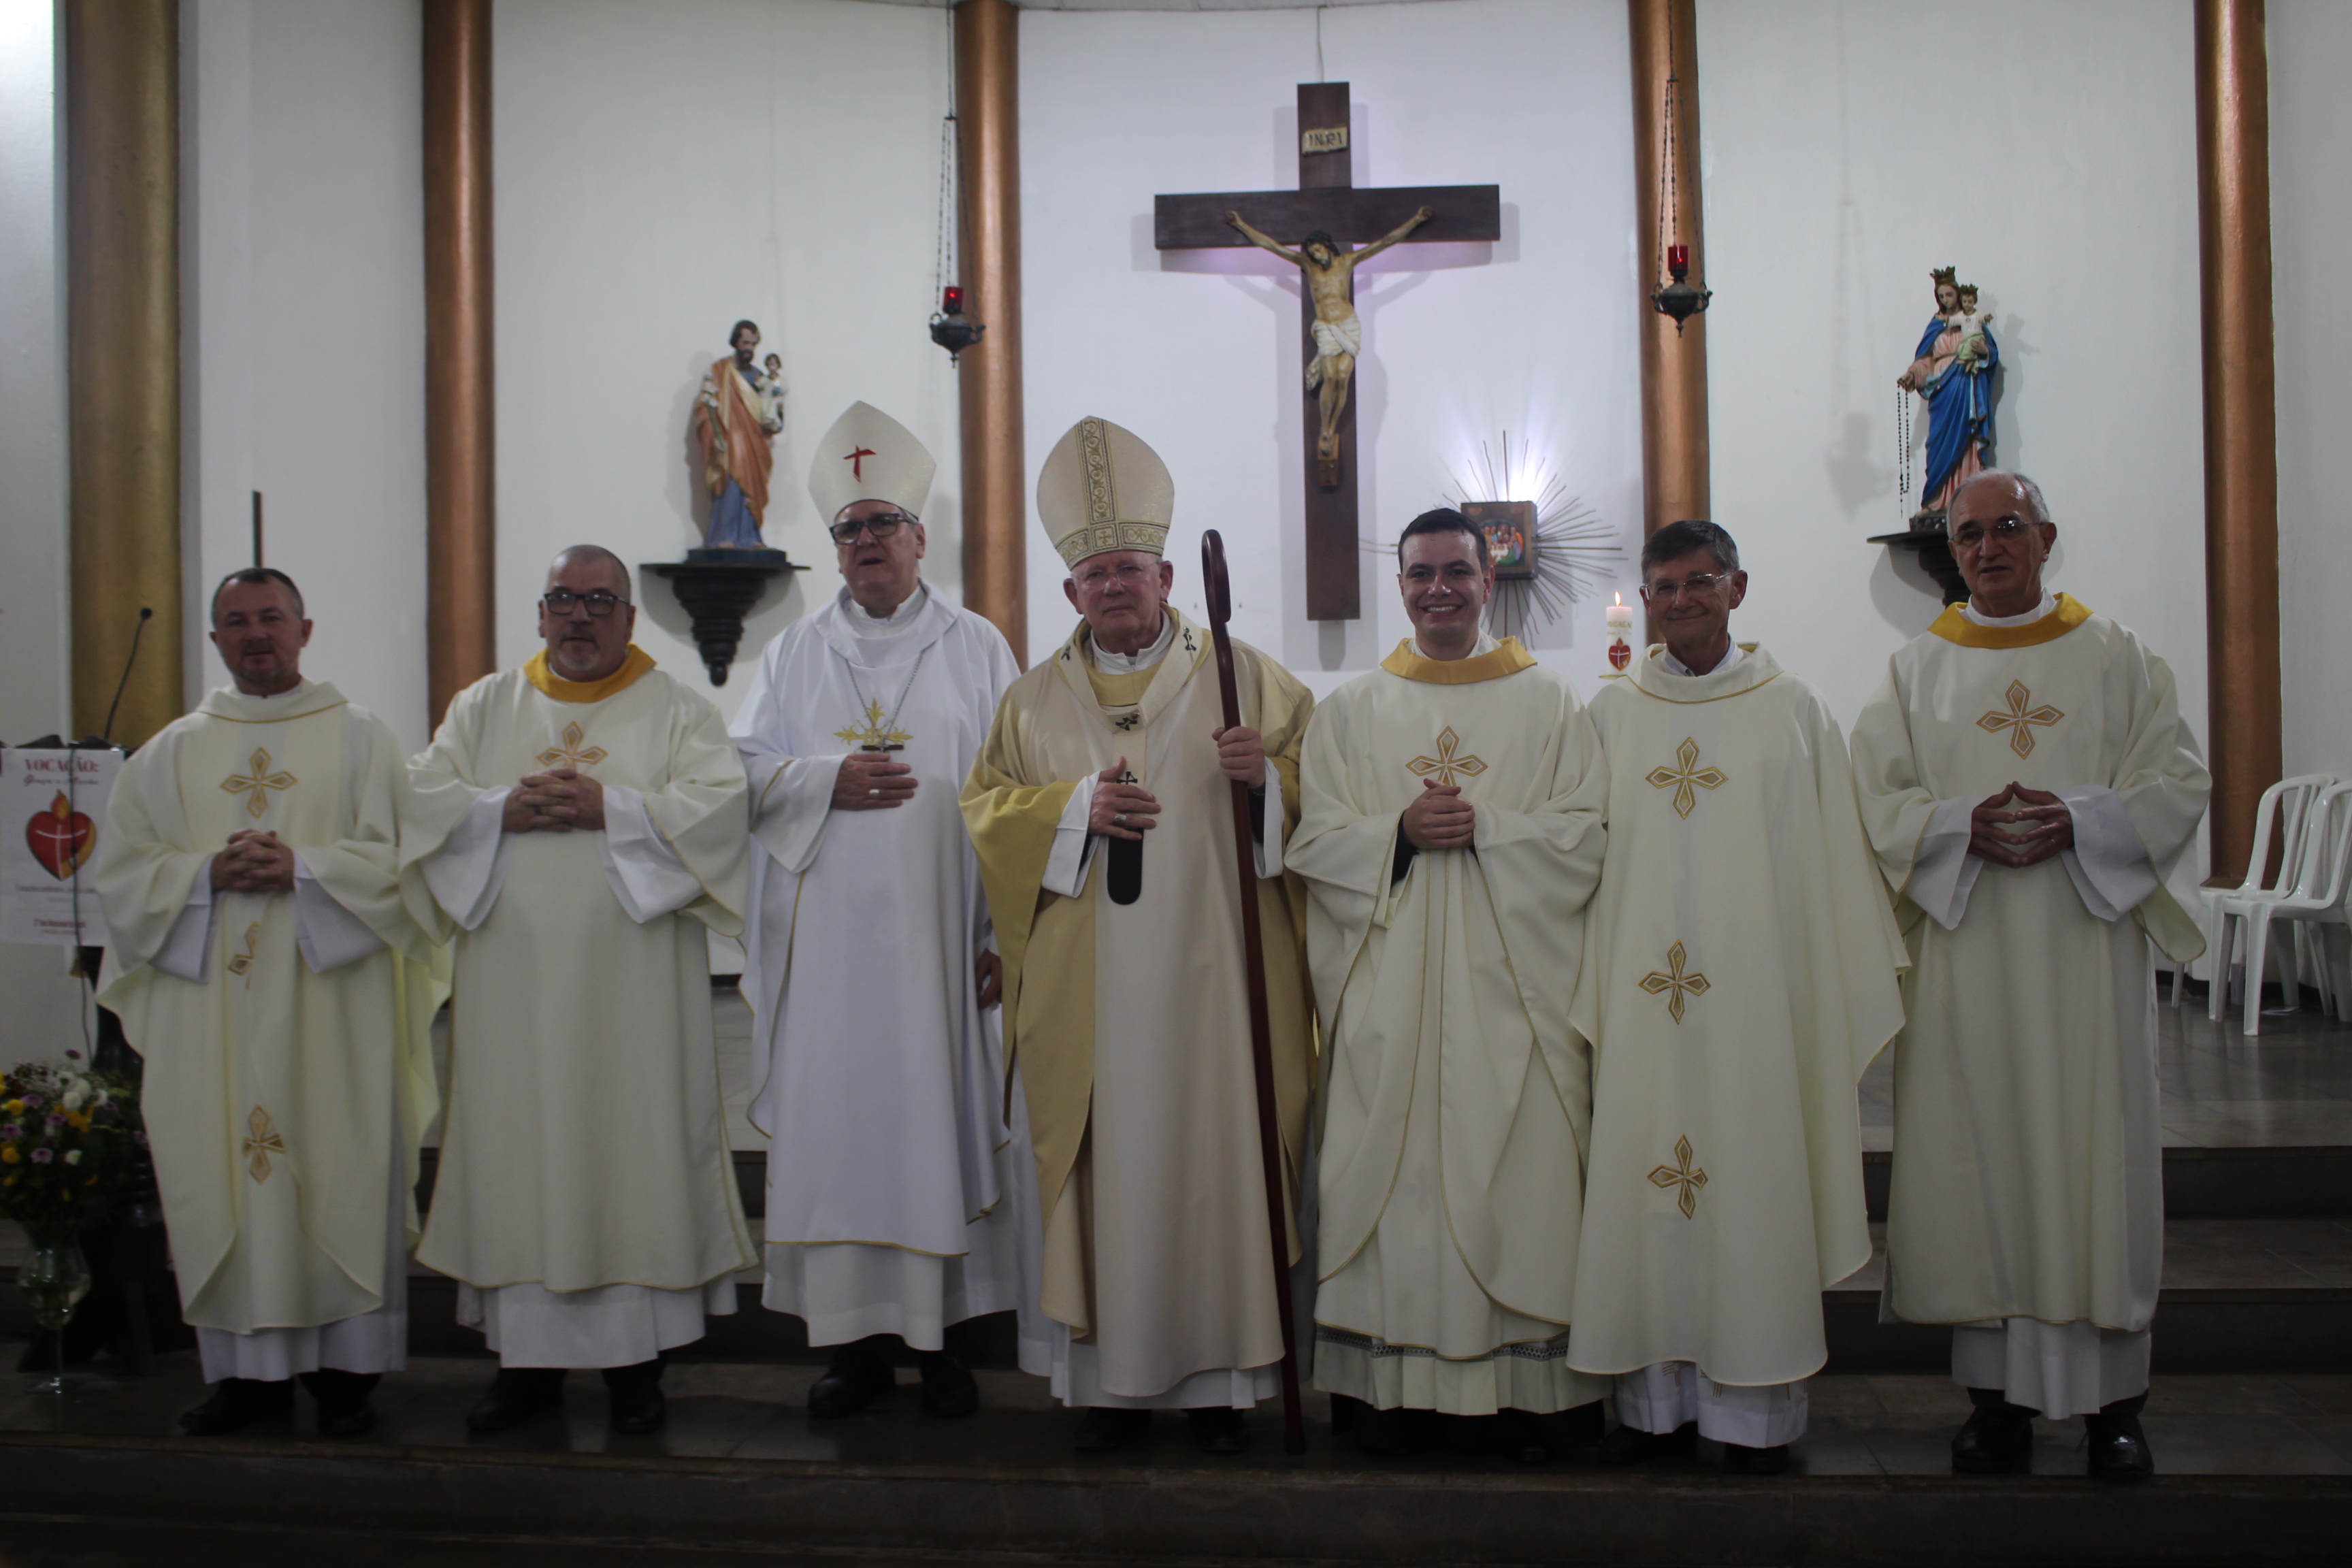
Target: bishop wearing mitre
[
  {"x": 579, "y": 824},
  {"x": 2029, "y": 786},
  {"x": 899, "y": 1203},
  {"x": 1739, "y": 974},
  {"x": 1450, "y": 835},
  {"x": 263, "y": 963},
  {"x": 1102, "y": 811}
]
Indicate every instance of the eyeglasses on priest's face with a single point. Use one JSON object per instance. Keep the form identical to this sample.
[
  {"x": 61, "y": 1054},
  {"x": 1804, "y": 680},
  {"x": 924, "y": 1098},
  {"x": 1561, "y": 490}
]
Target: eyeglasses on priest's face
[
  {"x": 1698, "y": 585},
  {"x": 564, "y": 601},
  {"x": 882, "y": 527},
  {"x": 1971, "y": 535}
]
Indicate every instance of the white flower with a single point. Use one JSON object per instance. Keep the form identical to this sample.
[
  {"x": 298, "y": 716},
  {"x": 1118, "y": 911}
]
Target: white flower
[
  {"x": 73, "y": 1156},
  {"x": 77, "y": 1097}
]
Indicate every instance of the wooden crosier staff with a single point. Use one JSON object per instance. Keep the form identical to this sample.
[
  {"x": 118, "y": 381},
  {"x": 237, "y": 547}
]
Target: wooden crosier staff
[{"x": 1269, "y": 1124}]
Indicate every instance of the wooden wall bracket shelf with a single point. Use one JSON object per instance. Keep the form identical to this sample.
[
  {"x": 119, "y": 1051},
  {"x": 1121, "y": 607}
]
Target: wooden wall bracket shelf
[{"x": 719, "y": 588}]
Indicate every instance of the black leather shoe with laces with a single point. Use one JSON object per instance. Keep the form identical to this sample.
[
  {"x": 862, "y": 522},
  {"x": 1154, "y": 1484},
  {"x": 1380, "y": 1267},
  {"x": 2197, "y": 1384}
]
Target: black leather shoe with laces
[
  {"x": 861, "y": 1373},
  {"x": 519, "y": 1394},
  {"x": 949, "y": 1390},
  {"x": 2119, "y": 1449},
  {"x": 1105, "y": 1427},
  {"x": 235, "y": 1401},
  {"x": 342, "y": 1396},
  {"x": 1217, "y": 1430},
  {"x": 1998, "y": 1439}
]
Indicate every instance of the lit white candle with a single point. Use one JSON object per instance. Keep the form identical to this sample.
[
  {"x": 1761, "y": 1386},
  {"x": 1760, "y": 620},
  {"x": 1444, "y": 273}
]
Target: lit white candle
[{"x": 1618, "y": 644}]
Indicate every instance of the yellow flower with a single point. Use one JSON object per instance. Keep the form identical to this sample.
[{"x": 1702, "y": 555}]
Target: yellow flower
[
  {"x": 14, "y": 1108},
  {"x": 7, "y": 1182},
  {"x": 8, "y": 1156},
  {"x": 77, "y": 1121}
]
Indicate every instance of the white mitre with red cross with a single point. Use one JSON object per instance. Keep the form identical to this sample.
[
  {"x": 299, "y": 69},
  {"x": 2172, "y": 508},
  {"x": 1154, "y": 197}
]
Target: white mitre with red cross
[
  {"x": 868, "y": 455},
  {"x": 1102, "y": 489}
]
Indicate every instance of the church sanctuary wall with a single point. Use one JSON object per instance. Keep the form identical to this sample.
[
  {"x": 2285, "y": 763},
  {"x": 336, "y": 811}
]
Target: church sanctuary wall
[
  {"x": 2049, "y": 153},
  {"x": 38, "y": 999},
  {"x": 2311, "y": 233},
  {"x": 303, "y": 313},
  {"x": 1198, "y": 353},
  {"x": 662, "y": 170}
]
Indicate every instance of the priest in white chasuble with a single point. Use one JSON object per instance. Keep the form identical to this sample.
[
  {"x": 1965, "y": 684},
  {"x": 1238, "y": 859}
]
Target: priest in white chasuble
[
  {"x": 897, "y": 1204},
  {"x": 1740, "y": 971},
  {"x": 1102, "y": 811},
  {"x": 2029, "y": 785},
  {"x": 577, "y": 823},
  {"x": 1450, "y": 834},
  {"x": 263, "y": 963}
]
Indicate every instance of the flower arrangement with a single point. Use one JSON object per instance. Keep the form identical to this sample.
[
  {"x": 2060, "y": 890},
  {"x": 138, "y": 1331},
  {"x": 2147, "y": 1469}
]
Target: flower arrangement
[{"x": 69, "y": 1139}]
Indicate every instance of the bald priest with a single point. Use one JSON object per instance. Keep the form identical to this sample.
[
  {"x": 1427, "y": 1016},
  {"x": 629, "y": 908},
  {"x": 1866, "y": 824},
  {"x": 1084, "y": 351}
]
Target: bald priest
[
  {"x": 264, "y": 965},
  {"x": 577, "y": 823},
  {"x": 892, "y": 1174},
  {"x": 1102, "y": 812}
]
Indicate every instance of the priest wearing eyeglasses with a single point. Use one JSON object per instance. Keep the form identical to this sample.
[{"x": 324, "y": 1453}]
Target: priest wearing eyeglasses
[
  {"x": 2029, "y": 786},
  {"x": 578, "y": 825},
  {"x": 892, "y": 1173}
]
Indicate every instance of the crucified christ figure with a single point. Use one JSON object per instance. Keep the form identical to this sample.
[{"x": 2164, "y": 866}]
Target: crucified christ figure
[{"x": 1330, "y": 275}]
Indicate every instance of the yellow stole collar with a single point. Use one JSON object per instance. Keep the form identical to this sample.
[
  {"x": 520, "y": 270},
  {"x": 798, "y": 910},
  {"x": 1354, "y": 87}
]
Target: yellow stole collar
[
  {"x": 1954, "y": 626},
  {"x": 562, "y": 691},
  {"x": 1505, "y": 657}
]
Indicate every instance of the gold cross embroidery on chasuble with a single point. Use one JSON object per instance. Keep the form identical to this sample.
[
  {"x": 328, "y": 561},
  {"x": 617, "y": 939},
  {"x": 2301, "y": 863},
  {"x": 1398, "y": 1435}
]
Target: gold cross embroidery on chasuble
[
  {"x": 2020, "y": 719},
  {"x": 571, "y": 753},
  {"x": 256, "y": 785},
  {"x": 1685, "y": 773},
  {"x": 1444, "y": 766},
  {"x": 1674, "y": 981}
]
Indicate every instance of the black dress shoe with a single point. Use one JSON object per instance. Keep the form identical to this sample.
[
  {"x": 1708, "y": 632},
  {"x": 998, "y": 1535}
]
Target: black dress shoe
[
  {"x": 861, "y": 1373},
  {"x": 342, "y": 1396},
  {"x": 235, "y": 1401},
  {"x": 1393, "y": 1434},
  {"x": 1739, "y": 1460},
  {"x": 1631, "y": 1446},
  {"x": 1105, "y": 1427},
  {"x": 1217, "y": 1430},
  {"x": 949, "y": 1390},
  {"x": 1998, "y": 1439},
  {"x": 638, "y": 1411},
  {"x": 2118, "y": 1448},
  {"x": 1555, "y": 1435},
  {"x": 519, "y": 1394}
]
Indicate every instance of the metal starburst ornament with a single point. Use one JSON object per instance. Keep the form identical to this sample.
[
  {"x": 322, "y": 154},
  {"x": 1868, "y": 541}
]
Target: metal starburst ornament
[{"x": 1564, "y": 547}]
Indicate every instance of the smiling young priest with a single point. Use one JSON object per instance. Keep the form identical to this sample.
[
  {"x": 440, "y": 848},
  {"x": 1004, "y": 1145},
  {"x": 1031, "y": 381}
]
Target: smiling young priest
[
  {"x": 263, "y": 963},
  {"x": 577, "y": 823},
  {"x": 1739, "y": 974},
  {"x": 892, "y": 1170},
  {"x": 1102, "y": 810},
  {"x": 2029, "y": 785},
  {"x": 1450, "y": 833}
]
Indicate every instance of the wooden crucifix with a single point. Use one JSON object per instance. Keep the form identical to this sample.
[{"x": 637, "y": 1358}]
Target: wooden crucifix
[{"x": 1326, "y": 218}]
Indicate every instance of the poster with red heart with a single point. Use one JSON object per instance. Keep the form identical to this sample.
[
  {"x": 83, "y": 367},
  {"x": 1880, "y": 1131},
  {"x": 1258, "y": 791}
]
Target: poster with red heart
[{"x": 52, "y": 809}]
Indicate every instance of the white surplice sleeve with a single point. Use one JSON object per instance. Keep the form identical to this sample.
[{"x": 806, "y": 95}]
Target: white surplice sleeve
[
  {"x": 188, "y": 950},
  {"x": 328, "y": 935},
  {"x": 465, "y": 877},
  {"x": 1270, "y": 835},
  {"x": 643, "y": 872},
  {"x": 1945, "y": 872},
  {"x": 792, "y": 800},
  {"x": 2108, "y": 863},
  {"x": 1074, "y": 846}
]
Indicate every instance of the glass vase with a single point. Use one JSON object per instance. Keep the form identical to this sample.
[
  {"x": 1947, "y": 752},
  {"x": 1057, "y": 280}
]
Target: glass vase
[{"x": 54, "y": 1280}]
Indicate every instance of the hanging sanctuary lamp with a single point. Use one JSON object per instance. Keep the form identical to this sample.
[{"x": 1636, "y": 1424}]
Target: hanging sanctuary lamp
[
  {"x": 950, "y": 327},
  {"x": 1678, "y": 298}
]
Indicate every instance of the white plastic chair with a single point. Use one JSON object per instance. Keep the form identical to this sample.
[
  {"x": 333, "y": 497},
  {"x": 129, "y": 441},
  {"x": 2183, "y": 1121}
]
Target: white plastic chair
[
  {"x": 2286, "y": 809},
  {"x": 2315, "y": 900}
]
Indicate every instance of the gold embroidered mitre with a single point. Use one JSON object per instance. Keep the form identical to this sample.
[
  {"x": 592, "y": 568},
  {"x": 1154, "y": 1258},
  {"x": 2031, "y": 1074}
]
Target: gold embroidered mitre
[
  {"x": 868, "y": 455},
  {"x": 1102, "y": 489}
]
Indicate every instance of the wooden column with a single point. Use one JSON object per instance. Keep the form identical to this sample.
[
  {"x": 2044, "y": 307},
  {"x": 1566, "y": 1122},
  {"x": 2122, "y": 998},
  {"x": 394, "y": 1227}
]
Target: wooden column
[
  {"x": 2241, "y": 574},
  {"x": 988, "y": 147},
  {"x": 122, "y": 354},
  {"x": 461, "y": 362},
  {"x": 1674, "y": 368}
]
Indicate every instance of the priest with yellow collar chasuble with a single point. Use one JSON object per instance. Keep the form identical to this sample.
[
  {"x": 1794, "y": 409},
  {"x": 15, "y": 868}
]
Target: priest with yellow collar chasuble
[
  {"x": 579, "y": 823},
  {"x": 2029, "y": 785},
  {"x": 264, "y": 965},
  {"x": 1450, "y": 834},
  {"x": 1741, "y": 970},
  {"x": 898, "y": 1200},
  {"x": 1101, "y": 809}
]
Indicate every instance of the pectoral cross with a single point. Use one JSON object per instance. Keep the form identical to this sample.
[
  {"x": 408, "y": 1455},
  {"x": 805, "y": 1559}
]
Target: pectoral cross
[
  {"x": 1327, "y": 199},
  {"x": 879, "y": 735}
]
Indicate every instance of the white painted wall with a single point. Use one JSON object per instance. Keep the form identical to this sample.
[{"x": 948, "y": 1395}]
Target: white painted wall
[
  {"x": 2311, "y": 231},
  {"x": 1198, "y": 353},
  {"x": 661, "y": 172},
  {"x": 303, "y": 319},
  {"x": 41, "y": 1002}
]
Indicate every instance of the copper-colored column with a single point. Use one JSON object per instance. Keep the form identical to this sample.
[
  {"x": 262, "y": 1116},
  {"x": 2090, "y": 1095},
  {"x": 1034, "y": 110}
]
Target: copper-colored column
[
  {"x": 2241, "y": 579},
  {"x": 123, "y": 350},
  {"x": 460, "y": 365},
  {"x": 1674, "y": 368},
  {"x": 988, "y": 147}
]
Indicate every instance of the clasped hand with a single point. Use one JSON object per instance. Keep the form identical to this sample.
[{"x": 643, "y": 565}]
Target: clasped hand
[
  {"x": 254, "y": 862},
  {"x": 556, "y": 801},
  {"x": 1122, "y": 810},
  {"x": 2052, "y": 830},
  {"x": 1439, "y": 819},
  {"x": 870, "y": 781}
]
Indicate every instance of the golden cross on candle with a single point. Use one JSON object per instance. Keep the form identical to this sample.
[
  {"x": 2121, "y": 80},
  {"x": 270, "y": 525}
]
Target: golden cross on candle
[
  {"x": 1675, "y": 981},
  {"x": 2019, "y": 720},
  {"x": 255, "y": 786},
  {"x": 1686, "y": 798},
  {"x": 1684, "y": 1174},
  {"x": 1445, "y": 764}
]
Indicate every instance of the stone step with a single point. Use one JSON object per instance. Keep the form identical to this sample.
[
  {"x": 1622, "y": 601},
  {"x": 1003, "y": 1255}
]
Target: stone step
[{"x": 2249, "y": 1467}]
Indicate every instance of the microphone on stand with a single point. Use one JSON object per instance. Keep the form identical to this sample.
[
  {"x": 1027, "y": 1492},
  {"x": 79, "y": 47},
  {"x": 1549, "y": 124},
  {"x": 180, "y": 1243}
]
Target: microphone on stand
[{"x": 106, "y": 736}]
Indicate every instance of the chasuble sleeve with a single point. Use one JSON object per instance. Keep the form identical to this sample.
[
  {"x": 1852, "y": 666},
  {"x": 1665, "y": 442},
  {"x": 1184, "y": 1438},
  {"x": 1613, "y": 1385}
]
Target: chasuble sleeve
[
  {"x": 699, "y": 813},
  {"x": 1012, "y": 820},
  {"x": 360, "y": 871},
  {"x": 1896, "y": 804},
  {"x": 146, "y": 869},
  {"x": 790, "y": 794},
  {"x": 1342, "y": 850},
  {"x": 444, "y": 783},
  {"x": 2161, "y": 781}
]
